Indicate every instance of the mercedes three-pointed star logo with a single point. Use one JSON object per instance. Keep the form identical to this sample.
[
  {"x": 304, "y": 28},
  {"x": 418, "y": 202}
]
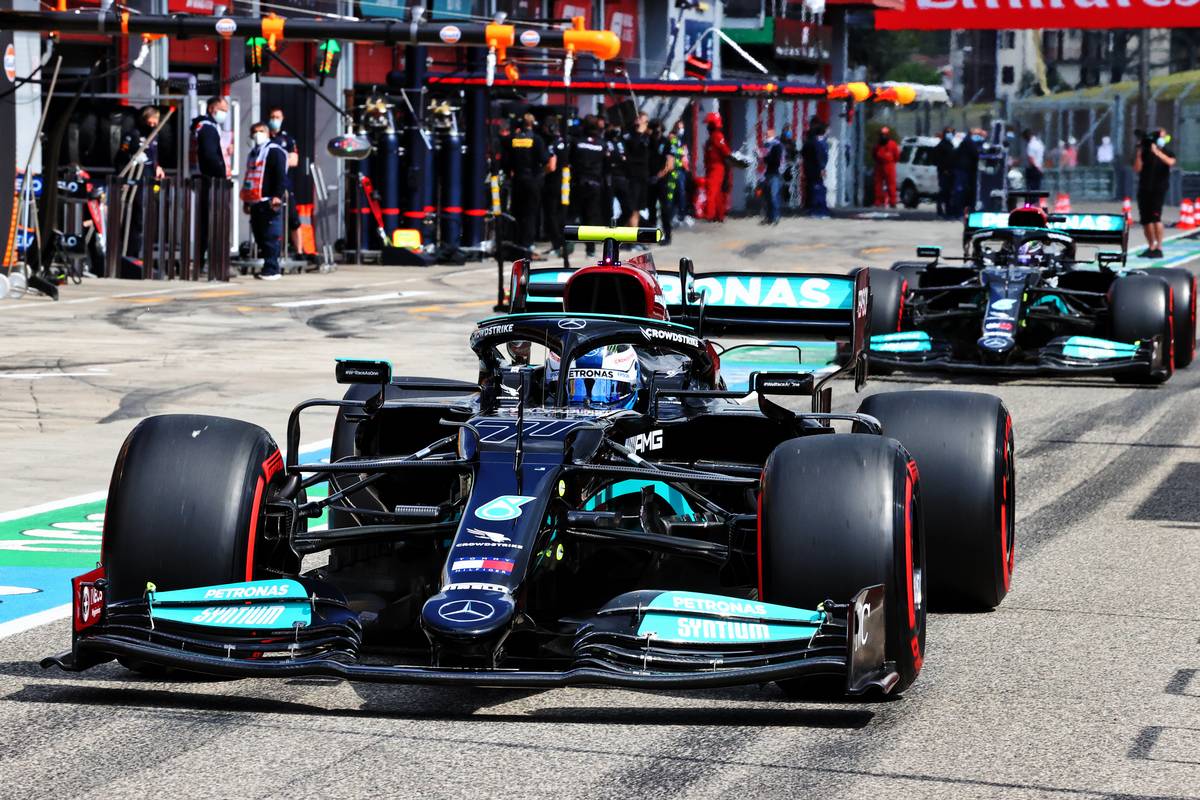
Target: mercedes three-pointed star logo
[
  {"x": 466, "y": 611},
  {"x": 572, "y": 324}
]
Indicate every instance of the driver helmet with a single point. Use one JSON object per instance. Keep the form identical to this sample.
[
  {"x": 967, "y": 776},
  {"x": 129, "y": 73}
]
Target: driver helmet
[
  {"x": 1029, "y": 254},
  {"x": 607, "y": 377}
]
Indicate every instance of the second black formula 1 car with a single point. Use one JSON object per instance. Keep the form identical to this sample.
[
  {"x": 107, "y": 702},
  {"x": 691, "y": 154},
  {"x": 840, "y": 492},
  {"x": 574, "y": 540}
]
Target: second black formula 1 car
[
  {"x": 599, "y": 507},
  {"x": 1021, "y": 301}
]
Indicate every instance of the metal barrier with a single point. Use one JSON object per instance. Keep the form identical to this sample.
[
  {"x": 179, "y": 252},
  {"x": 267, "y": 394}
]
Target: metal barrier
[
  {"x": 1082, "y": 183},
  {"x": 186, "y": 224}
]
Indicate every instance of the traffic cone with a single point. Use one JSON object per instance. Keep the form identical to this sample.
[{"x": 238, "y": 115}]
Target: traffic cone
[
  {"x": 1186, "y": 221},
  {"x": 1062, "y": 203},
  {"x": 1127, "y": 209}
]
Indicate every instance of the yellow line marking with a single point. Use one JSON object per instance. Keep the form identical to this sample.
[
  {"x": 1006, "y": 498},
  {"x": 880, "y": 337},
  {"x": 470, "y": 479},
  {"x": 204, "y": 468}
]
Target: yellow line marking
[
  {"x": 220, "y": 293},
  {"x": 871, "y": 250},
  {"x": 426, "y": 309},
  {"x": 475, "y": 304},
  {"x": 149, "y": 300}
]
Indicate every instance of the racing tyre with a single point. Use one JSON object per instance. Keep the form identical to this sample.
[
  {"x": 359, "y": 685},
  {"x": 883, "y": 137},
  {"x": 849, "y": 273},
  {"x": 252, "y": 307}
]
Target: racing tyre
[
  {"x": 186, "y": 506},
  {"x": 909, "y": 195},
  {"x": 887, "y": 301},
  {"x": 1142, "y": 308},
  {"x": 963, "y": 446},
  {"x": 815, "y": 544},
  {"x": 1183, "y": 313}
]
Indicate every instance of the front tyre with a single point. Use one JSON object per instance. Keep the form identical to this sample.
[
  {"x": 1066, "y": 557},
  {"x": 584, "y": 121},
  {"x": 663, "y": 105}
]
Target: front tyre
[
  {"x": 887, "y": 301},
  {"x": 816, "y": 544},
  {"x": 963, "y": 446},
  {"x": 1183, "y": 313},
  {"x": 1141, "y": 307},
  {"x": 186, "y": 506}
]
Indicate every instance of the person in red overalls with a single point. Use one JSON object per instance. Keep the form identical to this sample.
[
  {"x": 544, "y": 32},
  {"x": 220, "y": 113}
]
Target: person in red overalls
[
  {"x": 716, "y": 150},
  {"x": 887, "y": 153}
]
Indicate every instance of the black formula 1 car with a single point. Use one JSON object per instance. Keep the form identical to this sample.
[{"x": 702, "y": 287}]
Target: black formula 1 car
[
  {"x": 600, "y": 507},
  {"x": 1020, "y": 301}
]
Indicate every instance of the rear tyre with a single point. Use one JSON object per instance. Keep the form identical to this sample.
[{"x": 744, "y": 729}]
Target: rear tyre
[
  {"x": 909, "y": 195},
  {"x": 815, "y": 544},
  {"x": 963, "y": 446},
  {"x": 1183, "y": 313},
  {"x": 186, "y": 506},
  {"x": 1142, "y": 308}
]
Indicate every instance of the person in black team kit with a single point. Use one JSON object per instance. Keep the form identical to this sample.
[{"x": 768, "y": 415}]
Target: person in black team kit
[
  {"x": 618, "y": 177},
  {"x": 552, "y": 207},
  {"x": 1152, "y": 162},
  {"x": 661, "y": 165},
  {"x": 589, "y": 168},
  {"x": 943, "y": 160},
  {"x": 526, "y": 160},
  {"x": 637, "y": 169},
  {"x": 131, "y": 143},
  {"x": 208, "y": 160},
  {"x": 288, "y": 142}
]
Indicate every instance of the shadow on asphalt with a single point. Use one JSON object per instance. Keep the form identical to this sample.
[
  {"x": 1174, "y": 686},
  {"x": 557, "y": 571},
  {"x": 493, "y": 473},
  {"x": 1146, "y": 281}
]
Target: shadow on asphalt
[{"x": 440, "y": 704}]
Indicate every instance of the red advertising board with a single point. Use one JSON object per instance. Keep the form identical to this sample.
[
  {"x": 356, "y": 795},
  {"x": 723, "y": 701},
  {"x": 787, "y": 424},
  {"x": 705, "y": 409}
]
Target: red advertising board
[
  {"x": 621, "y": 17},
  {"x": 1037, "y": 14},
  {"x": 569, "y": 9}
]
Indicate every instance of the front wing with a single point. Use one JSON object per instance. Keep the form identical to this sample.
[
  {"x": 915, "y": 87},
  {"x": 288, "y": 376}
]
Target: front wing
[
  {"x": 1066, "y": 355},
  {"x": 846, "y": 643}
]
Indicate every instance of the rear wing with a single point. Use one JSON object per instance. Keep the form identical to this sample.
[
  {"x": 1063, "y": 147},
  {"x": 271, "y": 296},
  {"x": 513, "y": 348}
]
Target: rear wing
[
  {"x": 790, "y": 305},
  {"x": 1083, "y": 228}
]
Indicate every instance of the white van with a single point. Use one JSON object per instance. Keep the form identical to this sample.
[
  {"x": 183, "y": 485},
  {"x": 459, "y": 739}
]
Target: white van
[{"x": 916, "y": 174}]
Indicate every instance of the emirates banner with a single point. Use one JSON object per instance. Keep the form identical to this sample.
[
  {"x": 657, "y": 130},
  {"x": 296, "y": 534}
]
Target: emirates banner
[{"x": 1038, "y": 14}]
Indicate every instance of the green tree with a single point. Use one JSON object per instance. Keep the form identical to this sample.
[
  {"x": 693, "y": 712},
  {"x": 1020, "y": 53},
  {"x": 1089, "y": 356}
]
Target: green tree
[
  {"x": 882, "y": 51},
  {"x": 913, "y": 72}
]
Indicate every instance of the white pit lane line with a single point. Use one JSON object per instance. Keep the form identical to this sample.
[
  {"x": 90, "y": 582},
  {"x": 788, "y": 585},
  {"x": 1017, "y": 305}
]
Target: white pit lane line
[
  {"x": 332, "y": 301},
  {"x": 57, "y": 613}
]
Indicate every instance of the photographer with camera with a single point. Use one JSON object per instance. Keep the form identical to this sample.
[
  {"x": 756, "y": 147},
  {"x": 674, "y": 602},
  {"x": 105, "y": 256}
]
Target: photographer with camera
[{"x": 1152, "y": 162}]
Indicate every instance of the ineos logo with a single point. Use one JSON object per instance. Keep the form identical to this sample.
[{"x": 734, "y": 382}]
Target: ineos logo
[{"x": 466, "y": 611}]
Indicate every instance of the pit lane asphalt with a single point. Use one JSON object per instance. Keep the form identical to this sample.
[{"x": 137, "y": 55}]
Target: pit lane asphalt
[{"x": 1085, "y": 683}]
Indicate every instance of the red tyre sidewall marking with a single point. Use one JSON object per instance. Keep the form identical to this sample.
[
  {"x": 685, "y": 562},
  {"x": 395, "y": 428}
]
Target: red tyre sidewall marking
[
  {"x": 910, "y": 484},
  {"x": 1007, "y": 555},
  {"x": 1171, "y": 328},
  {"x": 900, "y": 313},
  {"x": 272, "y": 465}
]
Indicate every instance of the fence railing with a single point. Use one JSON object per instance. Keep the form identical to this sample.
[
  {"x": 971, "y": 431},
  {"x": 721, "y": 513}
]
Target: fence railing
[{"x": 185, "y": 226}]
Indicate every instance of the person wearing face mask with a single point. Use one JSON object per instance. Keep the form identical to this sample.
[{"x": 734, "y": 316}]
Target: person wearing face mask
[
  {"x": 1152, "y": 162},
  {"x": 207, "y": 159},
  {"x": 288, "y": 142},
  {"x": 679, "y": 179},
  {"x": 263, "y": 190},
  {"x": 130, "y": 149},
  {"x": 1104, "y": 153},
  {"x": 943, "y": 160}
]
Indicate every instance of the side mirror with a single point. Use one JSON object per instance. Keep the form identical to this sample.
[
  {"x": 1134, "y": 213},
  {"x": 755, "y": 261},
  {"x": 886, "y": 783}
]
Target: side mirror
[
  {"x": 352, "y": 370},
  {"x": 687, "y": 273},
  {"x": 1106, "y": 257},
  {"x": 929, "y": 251}
]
